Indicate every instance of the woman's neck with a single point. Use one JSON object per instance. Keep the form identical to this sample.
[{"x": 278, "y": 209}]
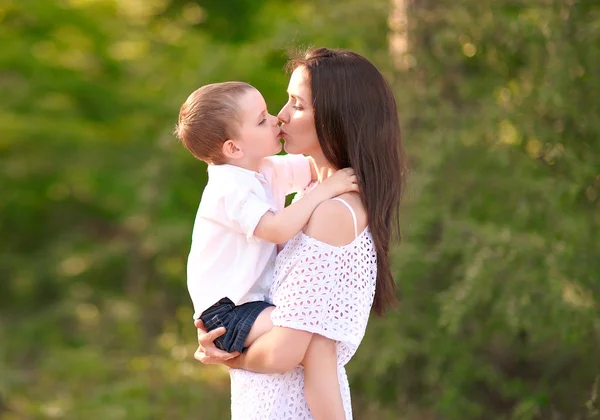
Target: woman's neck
[{"x": 323, "y": 168}]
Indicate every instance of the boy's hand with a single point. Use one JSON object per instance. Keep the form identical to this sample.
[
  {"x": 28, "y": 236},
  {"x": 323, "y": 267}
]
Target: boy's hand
[{"x": 340, "y": 182}]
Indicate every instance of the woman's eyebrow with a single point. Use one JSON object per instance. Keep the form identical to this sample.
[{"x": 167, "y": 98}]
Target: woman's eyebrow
[{"x": 296, "y": 96}]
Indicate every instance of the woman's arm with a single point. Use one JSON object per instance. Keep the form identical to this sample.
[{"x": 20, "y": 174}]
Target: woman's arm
[{"x": 278, "y": 351}]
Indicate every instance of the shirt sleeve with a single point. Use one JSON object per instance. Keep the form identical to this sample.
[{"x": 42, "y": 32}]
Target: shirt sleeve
[
  {"x": 316, "y": 298},
  {"x": 289, "y": 173},
  {"x": 244, "y": 209}
]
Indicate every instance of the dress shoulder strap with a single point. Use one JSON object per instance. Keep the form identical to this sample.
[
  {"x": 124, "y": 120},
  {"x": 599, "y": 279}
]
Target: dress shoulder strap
[{"x": 351, "y": 212}]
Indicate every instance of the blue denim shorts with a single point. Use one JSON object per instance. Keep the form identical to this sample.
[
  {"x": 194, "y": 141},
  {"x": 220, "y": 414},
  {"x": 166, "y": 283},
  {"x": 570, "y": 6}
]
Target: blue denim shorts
[{"x": 237, "y": 320}]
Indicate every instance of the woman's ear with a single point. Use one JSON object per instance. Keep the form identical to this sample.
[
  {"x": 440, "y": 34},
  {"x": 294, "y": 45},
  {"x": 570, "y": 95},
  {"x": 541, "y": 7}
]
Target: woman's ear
[{"x": 231, "y": 150}]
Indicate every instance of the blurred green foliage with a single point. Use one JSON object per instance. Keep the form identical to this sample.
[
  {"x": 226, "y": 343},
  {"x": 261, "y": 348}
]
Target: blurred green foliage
[{"x": 499, "y": 269}]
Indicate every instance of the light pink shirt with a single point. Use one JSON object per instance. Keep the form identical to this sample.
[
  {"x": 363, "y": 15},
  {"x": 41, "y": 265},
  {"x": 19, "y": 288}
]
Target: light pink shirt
[{"x": 226, "y": 259}]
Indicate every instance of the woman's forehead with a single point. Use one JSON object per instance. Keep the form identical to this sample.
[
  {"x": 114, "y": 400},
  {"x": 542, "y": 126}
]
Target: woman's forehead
[{"x": 299, "y": 85}]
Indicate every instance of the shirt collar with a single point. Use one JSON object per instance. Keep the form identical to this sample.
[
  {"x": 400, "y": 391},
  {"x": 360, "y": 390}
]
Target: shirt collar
[{"x": 225, "y": 168}]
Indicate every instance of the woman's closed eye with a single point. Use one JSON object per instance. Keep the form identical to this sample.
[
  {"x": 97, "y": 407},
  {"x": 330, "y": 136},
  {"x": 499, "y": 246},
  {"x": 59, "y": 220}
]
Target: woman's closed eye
[{"x": 295, "y": 104}]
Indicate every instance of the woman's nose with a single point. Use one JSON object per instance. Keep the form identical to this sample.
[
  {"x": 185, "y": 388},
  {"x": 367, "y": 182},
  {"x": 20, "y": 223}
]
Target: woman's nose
[{"x": 282, "y": 116}]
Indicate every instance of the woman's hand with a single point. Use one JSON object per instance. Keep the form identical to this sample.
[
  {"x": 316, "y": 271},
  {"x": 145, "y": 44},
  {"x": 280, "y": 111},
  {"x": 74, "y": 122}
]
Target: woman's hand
[{"x": 207, "y": 352}]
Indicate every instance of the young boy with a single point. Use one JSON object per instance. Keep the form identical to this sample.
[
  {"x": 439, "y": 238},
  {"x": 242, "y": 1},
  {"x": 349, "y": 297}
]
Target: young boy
[{"x": 241, "y": 216}]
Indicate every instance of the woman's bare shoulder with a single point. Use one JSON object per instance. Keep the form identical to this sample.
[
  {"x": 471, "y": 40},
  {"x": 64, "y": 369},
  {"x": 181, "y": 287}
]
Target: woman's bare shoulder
[{"x": 332, "y": 221}]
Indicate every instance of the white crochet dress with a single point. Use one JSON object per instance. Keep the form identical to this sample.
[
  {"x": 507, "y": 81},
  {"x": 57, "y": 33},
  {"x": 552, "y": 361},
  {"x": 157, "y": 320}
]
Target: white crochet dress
[{"x": 319, "y": 288}]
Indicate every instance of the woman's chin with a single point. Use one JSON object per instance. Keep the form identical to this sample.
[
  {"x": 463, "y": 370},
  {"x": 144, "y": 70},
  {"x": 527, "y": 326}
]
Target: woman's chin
[{"x": 288, "y": 148}]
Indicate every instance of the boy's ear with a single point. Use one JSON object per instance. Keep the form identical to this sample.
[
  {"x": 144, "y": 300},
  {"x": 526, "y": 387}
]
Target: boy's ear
[{"x": 231, "y": 150}]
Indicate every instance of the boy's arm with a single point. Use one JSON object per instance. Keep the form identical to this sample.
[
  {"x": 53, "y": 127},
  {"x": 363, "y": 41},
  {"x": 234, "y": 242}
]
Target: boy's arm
[
  {"x": 321, "y": 384},
  {"x": 281, "y": 227},
  {"x": 278, "y": 351}
]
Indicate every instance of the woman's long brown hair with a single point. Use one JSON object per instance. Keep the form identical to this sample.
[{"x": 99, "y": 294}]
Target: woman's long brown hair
[{"x": 357, "y": 125}]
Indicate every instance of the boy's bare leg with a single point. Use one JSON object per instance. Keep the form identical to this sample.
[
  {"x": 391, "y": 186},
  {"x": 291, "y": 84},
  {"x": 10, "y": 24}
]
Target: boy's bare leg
[
  {"x": 261, "y": 326},
  {"x": 321, "y": 383}
]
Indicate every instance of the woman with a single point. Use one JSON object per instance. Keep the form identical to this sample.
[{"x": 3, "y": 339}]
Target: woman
[{"x": 342, "y": 113}]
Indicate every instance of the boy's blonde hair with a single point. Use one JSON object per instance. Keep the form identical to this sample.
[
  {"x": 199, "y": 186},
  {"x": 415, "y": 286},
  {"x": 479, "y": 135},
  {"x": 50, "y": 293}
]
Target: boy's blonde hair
[{"x": 209, "y": 117}]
